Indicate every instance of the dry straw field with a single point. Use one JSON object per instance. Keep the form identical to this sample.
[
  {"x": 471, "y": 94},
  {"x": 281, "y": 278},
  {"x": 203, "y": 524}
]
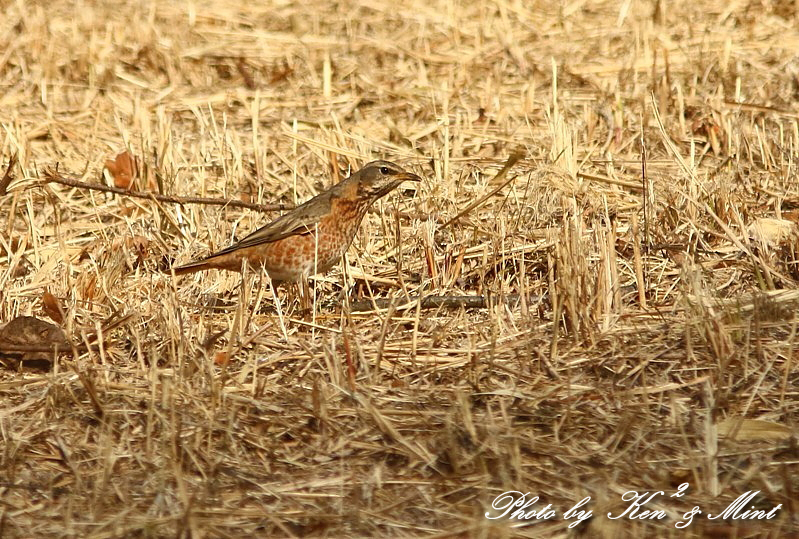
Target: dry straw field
[{"x": 615, "y": 311}]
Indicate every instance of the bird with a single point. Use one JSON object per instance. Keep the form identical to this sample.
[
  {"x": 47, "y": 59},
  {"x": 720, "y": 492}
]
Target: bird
[{"x": 311, "y": 238}]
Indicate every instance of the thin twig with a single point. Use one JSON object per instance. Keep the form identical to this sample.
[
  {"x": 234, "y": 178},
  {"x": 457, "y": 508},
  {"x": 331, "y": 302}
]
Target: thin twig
[
  {"x": 436, "y": 302},
  {"x": 52, "y": 175},
  {"x": 9, "y": 349}
]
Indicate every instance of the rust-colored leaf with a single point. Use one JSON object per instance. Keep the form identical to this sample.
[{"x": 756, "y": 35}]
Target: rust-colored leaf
[
  {"x": 52, "y": 308},
  {"x": 124, "y": 169},
  {"x": 90, "y": 288},
  {"x": 221, "y": 359}
]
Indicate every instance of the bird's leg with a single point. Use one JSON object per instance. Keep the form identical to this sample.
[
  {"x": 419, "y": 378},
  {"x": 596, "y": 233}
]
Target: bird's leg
[
  {"x": 305, "y": 297},
  {"x": 306, "y": 291},
  {"x": 244, "y": 292},
  {"x": 347, "y": 284}
]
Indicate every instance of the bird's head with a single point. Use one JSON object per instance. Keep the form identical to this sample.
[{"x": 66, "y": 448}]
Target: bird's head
[{"x": 378, "y": 178}]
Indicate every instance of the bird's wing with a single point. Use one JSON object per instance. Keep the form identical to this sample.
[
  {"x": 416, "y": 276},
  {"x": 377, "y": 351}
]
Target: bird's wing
[{"x": 301, "y": 220}]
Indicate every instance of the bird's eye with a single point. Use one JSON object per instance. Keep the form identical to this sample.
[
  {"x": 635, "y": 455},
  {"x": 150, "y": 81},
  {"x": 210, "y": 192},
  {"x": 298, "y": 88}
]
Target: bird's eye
[{"x": 385, "y": 170}]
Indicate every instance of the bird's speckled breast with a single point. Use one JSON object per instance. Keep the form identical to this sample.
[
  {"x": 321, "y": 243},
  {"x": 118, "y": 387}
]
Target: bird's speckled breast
[{"x": 295, "y": 257}]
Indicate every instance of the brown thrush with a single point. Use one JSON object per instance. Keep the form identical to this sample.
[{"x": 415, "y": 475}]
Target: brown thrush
[{"x": 312, "y": 237}]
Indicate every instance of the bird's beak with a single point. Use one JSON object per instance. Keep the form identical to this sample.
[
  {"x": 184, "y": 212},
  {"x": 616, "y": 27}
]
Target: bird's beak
[
  {"x": 395, "y": 182},
  {"x": 408, "y": 177}
]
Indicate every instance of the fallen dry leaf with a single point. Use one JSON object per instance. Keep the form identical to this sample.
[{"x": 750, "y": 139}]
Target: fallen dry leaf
[
  {"x": 123, "y": 169},
  {"x": 89, "y": 288},
  {"x": 31, "y": 342},
  {"x": 221, "y": 359},
  {"x": 52, "y": 308}
]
